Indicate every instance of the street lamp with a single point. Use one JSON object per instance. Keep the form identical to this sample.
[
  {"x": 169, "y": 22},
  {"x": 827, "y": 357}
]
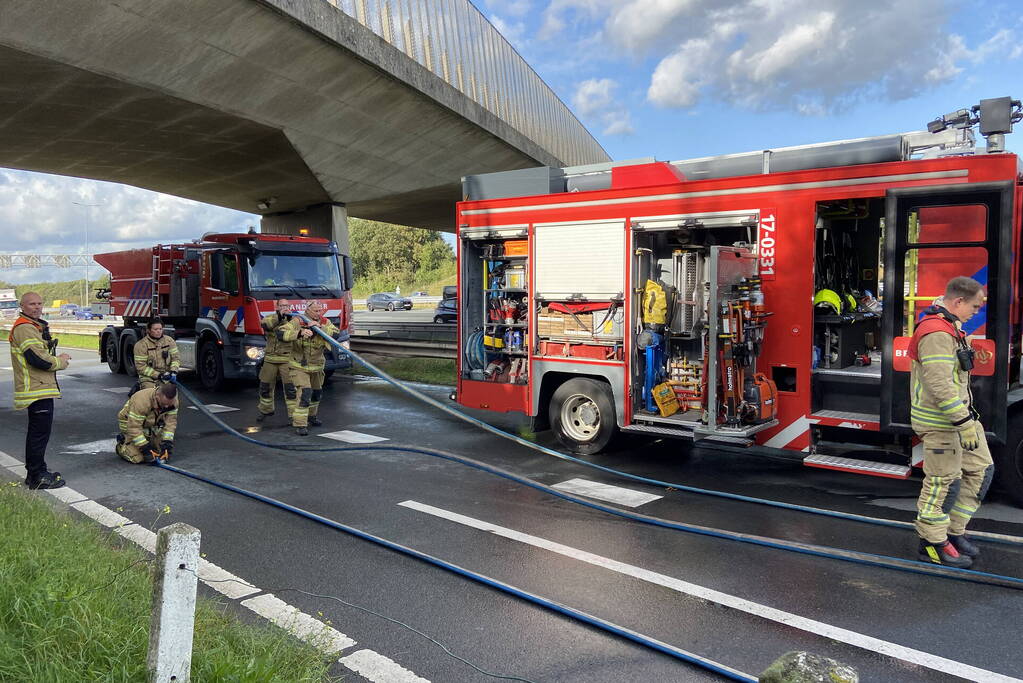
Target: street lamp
[{"x": 88, "y": 257}]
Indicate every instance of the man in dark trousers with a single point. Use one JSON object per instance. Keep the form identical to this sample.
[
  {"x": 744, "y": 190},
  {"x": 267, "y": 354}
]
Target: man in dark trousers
[{"x": 35, "y": 386}]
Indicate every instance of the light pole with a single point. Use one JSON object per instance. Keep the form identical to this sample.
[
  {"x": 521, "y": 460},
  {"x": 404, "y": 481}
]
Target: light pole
[{"x": 88, "y": 257}]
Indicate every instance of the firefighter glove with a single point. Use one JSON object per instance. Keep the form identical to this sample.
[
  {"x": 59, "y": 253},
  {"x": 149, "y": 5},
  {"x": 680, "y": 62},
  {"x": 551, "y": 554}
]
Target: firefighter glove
[
  {"x": 165, "y": 376},
  {"x": 969, "y": 435},
  {"x": 167, "y": 447}
]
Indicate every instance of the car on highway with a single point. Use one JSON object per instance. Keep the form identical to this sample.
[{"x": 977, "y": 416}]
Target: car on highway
[
  {"x": 87, "y": 314},
  {"x": 419, "y": 294},
  {"x": 446, "y": 311},
  {"x": 388, "y": 302}
]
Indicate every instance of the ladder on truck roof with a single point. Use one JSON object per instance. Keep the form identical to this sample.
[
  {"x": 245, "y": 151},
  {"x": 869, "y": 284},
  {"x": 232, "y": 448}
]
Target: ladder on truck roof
[{"x": 162, "y": 256}]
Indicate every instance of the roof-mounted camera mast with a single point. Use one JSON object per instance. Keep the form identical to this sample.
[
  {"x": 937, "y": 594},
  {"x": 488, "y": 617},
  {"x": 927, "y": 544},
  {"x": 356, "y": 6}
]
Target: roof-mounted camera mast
[{"x": 995, "y": 116}]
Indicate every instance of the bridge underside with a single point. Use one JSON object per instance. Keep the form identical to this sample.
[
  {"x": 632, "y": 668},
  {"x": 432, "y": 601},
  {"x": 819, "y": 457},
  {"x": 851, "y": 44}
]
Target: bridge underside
[{"x": 233, "y": 103}]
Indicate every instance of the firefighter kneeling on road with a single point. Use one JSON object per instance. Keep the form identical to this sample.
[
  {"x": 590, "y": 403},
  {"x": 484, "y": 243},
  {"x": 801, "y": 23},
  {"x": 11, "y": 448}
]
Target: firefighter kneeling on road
[
  {"x": 307, "y": 364},
  {"x": 275, "y": 363},
  {"x": 147, "y": 422},
  {"x": 957, "y": 463},
  {"x": 156, "y": 356}
]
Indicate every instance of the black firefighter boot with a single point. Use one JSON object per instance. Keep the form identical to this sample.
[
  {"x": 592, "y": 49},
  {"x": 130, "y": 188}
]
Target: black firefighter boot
[
  {"x": 943, "y": 553},
  {"x": 964, "y": 546}
]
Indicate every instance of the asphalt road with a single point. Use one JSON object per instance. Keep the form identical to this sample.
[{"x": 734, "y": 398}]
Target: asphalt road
[{"x": 651, "y": 580}]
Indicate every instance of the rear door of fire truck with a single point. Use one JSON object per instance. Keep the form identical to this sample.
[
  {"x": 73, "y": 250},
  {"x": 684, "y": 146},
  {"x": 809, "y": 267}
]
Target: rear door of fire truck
[{"x": 933, "y": 234}]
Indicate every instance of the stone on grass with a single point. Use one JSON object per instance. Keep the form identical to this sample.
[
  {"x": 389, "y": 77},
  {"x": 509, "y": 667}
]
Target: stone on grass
[{"x": 806, "y": 667}]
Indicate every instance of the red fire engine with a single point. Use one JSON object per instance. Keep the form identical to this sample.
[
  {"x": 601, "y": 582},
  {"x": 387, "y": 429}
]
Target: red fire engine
[
  {"x": 762, "y": 298},
  {"x": 212, "y": 294}
]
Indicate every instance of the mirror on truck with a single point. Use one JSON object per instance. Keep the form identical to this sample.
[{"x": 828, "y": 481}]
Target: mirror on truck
[
  {"x": 224, "y": 272},
  {"x": 346, "y": 268}
]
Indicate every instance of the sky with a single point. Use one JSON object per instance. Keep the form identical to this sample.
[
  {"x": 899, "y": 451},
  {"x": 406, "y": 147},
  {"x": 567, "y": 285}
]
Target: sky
[{"x": 670, "y": 79}]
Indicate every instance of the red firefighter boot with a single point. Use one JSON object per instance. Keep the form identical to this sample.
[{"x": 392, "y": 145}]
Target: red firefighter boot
[{"x": 943, "y": 553}]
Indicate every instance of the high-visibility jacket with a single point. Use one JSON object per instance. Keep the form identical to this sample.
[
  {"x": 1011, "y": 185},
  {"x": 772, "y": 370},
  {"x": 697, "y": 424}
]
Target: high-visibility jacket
[
  {"x": 306, "y": 354},
  {"x": 153, "y": 357},
  {"x": 940, "y": 397},
  {"x": 142, "y": 416},
  {"x": 33, "y": 382},
  {"x": 277, "y": 350}
]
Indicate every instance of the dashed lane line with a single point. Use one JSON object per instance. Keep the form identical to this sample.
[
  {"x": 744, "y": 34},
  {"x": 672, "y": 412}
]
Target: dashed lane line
[
  {"x": 612, "y": 494},
  {"x": 817, "y": 628},
  {"x": 369, "y": 664}
]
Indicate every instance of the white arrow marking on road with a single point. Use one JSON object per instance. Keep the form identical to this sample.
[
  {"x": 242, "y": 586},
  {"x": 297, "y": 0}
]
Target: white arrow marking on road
[
  {"x": 353, "y": 437},
  {"x": 869, "y": 643},
  {"x": 215, "y": 408},
  {"x": 101, "y": 446},
  {"x": 118, "y": 390}
]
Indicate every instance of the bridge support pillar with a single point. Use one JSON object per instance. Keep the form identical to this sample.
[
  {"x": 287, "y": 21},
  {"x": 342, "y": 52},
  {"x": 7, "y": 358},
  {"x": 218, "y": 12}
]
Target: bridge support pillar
[{"x": 321, "y": 220}]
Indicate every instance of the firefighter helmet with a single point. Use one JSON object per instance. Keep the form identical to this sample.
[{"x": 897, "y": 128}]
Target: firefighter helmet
[
  {"x": 827, "y": 298},
  {"x": 851, "y": 301}
]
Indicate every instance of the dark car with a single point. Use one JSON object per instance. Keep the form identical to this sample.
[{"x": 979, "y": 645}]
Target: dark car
[
  {"x": 387, "y": 301},
  {"x": 446, "y": 311}
]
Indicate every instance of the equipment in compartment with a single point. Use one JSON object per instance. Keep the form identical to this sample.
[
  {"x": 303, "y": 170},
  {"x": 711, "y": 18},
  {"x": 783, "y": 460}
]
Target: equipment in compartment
[{"x": 687, "y": 269}]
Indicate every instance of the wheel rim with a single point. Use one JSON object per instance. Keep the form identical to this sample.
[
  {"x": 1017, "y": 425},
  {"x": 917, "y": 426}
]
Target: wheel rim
[
  {"x": 580, "y": 418},
  {"x": 209, "y": 367},
  {"x": 111, "y": 351}
]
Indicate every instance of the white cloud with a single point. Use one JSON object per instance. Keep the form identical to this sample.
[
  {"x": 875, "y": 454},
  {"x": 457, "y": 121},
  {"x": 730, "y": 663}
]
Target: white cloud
[
  {"x": 39, "y": 214},
  {"x": 595, "y": 99},
  {"x": 809, "y": 56}
]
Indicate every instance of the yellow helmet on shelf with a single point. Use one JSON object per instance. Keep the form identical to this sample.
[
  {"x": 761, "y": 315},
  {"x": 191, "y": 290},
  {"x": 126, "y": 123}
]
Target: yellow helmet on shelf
[
  {"x": 851, "y": 300},
  {"x": 828, "y": 298}
]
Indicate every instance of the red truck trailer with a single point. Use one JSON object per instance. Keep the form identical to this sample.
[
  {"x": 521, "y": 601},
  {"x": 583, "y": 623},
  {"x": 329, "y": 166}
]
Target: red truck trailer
[
  {"x": 765, "y": 298},
  {"x": 211, "y": 295}
]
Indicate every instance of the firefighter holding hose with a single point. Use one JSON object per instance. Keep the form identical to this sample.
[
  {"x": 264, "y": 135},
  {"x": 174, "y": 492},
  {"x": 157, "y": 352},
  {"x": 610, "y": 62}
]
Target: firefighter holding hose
[
  {"x": 307, "y": 363},
  {"x": 276, "y": 363}
]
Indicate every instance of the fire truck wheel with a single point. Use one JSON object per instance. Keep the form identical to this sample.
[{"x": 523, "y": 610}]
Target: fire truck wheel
[
  {"x": 582, "y": 415},
  {"x": 113, "y": 357},
  {"x": 211, "y": 367},
  {"x": 128, "y": 354},
  {"x": 1009, "y": 460}
]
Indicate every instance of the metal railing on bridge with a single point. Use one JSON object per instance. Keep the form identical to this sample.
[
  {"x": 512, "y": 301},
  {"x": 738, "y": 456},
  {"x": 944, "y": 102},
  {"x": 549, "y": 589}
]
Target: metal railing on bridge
[{"x": 455, "y": 41}]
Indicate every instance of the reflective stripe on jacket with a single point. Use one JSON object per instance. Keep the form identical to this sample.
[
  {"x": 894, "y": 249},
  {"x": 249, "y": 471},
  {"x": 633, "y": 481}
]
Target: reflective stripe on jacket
[
  {"x": 32, "y": 383},
  {"x": 306, "y": 354},
  {"x": 940, "y": 389},
  {"x": 277, "y": 350},
  {"x": 141, "y": 415},
  {"x": 153, "y": 357}
]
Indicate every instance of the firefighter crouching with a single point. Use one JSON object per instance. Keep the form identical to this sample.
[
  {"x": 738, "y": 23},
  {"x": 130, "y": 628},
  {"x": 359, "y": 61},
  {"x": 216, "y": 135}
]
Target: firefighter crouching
[
  {"x": 156, "y": 356},
  {"x": 147, "y": 423},
  {"x": 275, "y": 364},
  {"x": 307, "y": 364},
  {"x": 957, "y": 463}
]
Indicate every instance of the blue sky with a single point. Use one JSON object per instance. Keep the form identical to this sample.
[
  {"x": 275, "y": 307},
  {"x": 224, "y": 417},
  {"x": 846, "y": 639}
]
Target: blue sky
[{"x": 671, "y": 79}]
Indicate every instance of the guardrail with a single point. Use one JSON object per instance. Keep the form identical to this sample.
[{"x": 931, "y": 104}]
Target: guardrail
[{"x": 421, "y": 340}]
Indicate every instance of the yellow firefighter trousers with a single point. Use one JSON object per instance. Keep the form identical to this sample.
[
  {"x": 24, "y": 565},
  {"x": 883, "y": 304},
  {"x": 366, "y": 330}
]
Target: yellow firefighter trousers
[
  {"x": 140, "y": 454},
  {"x": 309, "y": 386},
  {"x": 955, "y": 482},
  {"x": 268, "y": 385}
]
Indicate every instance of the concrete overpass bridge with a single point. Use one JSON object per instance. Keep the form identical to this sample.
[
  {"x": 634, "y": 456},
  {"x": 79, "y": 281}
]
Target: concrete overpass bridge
[{"x": 300, "y": 110}]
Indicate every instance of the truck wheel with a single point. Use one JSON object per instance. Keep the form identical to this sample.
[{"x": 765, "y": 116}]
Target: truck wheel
[
  {"x": 582, "y": 415},
  {"x": 114, "y": 359},
  {"x": 211, "y": 367},
  {"x": 128, "y": 355},
  {"x": 1009, "y": 460}
]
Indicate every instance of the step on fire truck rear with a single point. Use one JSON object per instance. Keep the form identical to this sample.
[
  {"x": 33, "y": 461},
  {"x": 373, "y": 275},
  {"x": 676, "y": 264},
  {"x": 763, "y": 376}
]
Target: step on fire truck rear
[{"x": 762, "y": 298}]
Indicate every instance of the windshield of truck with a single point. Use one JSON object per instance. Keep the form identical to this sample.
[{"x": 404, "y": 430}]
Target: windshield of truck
[{"x": 307, "y": 276}]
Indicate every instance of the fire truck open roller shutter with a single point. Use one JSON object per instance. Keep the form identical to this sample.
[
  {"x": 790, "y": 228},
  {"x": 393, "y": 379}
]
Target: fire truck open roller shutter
[{"x": 588, "y": 255}]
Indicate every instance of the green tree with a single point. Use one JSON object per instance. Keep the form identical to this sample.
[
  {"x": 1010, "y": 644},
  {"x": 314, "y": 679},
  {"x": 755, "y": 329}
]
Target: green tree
[{"x": 385, "y": 255}]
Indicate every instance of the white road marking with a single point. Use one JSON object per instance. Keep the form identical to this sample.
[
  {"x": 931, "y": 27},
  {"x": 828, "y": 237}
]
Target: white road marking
[
  {"x": 353, "y": 437},
  {"x": 328, "y": 640},
  {"x": 6, "y": 367},
  {"x": 118, "y": 390},
  {"x": 378, "y": 668},
  {"x": 612, "y": 494},
  {"x": 101, "y": 446},
  {"x": 19, "y": 471},
  {"x": 869, "y": 643},
  {"x": 299, "y": 624},
  {"x": 216, "y": 408}
]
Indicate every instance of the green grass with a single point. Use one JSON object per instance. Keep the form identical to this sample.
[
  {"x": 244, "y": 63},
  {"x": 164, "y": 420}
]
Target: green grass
[
  {"x": 78, "y": 341},
  {"x": 61, "y": 621},
  {"x": 426, "y": 370}
]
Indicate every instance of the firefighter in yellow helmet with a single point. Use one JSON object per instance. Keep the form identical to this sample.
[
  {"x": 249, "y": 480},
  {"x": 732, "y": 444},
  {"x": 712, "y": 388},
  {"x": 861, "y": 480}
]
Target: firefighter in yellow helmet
[
  {"x": 147, "y": 422},
  {"x": 276, "y": 361},
  {"x": 957, "y": 462},
  {"x": 156, "y": 356},
  {"x": 307, "y": 363}
]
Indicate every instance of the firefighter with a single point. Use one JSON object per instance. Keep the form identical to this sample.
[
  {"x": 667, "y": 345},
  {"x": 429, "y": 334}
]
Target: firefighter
[
  {"x": 35, "y": 386},
  {"x": 156, "y": 356},
  {"x": 957, "y": 462},
  {"x": 147, "y": 423},
  {"x": 307, "y": 364},
  {"x": 275, "y": 363}
]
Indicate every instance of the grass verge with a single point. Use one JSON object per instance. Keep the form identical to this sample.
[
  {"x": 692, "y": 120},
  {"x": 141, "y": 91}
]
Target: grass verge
[
  {"x": 425, "y": 370},
  {"x": 67, "y": 614},
  {"x": 78, "y": 341}
]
